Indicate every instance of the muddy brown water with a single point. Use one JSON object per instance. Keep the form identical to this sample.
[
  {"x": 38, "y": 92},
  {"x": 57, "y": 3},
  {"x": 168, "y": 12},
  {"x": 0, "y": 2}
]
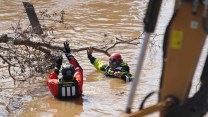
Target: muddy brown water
[{"x": 91, "y": 19}]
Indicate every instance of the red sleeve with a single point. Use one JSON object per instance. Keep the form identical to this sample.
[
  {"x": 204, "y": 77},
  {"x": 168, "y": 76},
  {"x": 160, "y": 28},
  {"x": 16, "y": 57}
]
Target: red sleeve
[
  {"x": 79, "y": 72},
  {"x": 53, "y": 75},
  {"x": 74, "y": 62},
  {"x": 79, "y": 78},
  {"x": 76, "y": 65},
  {"x": 52, "y": 83}
]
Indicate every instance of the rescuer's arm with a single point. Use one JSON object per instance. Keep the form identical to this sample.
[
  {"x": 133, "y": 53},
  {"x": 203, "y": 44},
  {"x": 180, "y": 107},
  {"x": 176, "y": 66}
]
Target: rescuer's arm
[
  {"x": 96, "y": 63},
  {"x": 74, "y": 62},
  {"x": 55, "y": 72},
  {"x": 70, "y": 57}
]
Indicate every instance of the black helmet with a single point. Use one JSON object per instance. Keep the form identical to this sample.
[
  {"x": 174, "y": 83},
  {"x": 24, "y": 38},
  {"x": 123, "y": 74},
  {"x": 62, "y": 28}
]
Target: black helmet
[{"x": 68, "y": 71}]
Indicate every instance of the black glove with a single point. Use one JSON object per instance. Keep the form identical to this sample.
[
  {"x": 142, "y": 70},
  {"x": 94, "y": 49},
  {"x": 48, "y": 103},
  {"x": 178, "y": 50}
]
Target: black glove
[
  {"x": 126, "y": 78},
  {"x": 58, "y": 62},
  {"x": 67, "y": 48}
]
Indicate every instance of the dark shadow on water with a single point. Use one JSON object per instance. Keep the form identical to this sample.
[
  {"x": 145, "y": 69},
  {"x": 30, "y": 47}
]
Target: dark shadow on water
[{"x": 77, "y": 100}]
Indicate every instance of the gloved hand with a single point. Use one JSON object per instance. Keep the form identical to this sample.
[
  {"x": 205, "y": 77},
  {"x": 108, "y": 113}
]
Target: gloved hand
[
  {"x": 89, "y": 55},
  {"x": 59, "y": 60},
  {"x": 67, "y": 48},
  {"x": 117, "y": 74},
  {"x": 89, "y": 52},
  {"x": 58, "y": 64}
]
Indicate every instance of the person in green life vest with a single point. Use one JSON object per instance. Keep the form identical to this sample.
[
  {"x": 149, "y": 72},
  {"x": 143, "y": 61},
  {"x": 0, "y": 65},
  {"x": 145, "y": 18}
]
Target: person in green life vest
[{"x": 115, "y": 69}]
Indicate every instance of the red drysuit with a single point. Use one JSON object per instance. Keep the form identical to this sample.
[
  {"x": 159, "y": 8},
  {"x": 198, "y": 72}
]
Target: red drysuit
[{"x": 52, "y": 80}]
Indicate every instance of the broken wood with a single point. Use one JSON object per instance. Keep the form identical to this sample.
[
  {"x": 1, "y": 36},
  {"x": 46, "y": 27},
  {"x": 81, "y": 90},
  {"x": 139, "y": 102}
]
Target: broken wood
[{"x": 33, "y": 18}]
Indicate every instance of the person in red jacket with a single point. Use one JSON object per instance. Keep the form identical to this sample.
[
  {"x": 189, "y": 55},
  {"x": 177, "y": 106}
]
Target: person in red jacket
[{"x": 71, "y": 82}]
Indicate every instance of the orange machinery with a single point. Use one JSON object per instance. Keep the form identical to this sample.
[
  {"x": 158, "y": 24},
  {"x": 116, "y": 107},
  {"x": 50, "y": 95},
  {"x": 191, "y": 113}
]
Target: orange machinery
[{"x": 183, "y": 42}]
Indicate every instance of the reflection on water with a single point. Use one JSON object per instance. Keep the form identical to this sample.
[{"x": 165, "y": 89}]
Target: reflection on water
[
  {"x": 52, "y": 107},
  {"x": 91, "y": 19}
]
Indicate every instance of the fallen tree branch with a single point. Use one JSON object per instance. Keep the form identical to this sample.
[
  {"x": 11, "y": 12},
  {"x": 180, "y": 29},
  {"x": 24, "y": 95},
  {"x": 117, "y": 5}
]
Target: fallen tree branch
[{"x": 45, "y": 47}]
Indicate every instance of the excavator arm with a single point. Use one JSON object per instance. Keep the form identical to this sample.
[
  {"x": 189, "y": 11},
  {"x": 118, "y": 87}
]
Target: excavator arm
[{"x": 183, "y": 42}]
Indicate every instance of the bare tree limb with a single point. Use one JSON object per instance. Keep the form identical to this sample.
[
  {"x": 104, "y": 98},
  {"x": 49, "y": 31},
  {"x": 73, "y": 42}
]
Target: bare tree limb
[
  {"x": 122, "y": 41},
  {"x": 5, "y": 60},
  {"x": 11, "y": 74}
]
